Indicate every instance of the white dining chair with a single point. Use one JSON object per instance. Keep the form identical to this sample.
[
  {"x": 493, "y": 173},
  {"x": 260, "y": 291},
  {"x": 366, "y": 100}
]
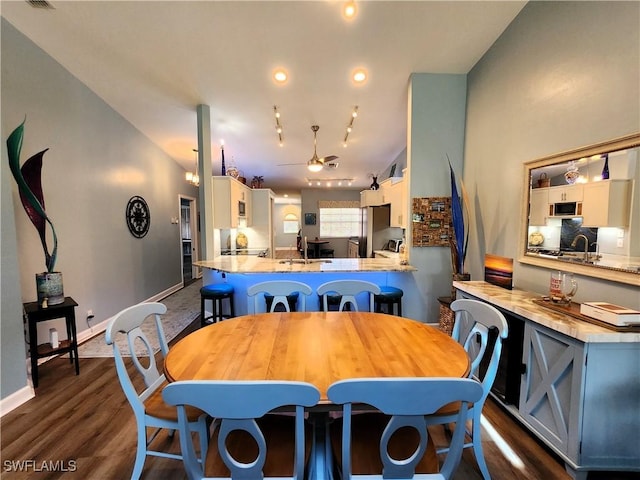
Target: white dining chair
[
  {"x": 124, "y": 333},
  {"x": 280, "y": 289},
  {"x": 241, "y": 411},
  {"x": 474, "y": 320},
  {"x": 348, "y": 290},
  {"x": 394, "y": 443}
]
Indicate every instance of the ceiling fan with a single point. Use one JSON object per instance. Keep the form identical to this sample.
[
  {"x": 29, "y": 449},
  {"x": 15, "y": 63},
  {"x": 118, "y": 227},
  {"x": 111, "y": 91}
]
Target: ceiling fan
[{"x": 316, "y": 163}]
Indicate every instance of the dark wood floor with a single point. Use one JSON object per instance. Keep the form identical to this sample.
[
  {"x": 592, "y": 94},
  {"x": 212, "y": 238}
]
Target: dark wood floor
[{"x": 84, "y": 425}]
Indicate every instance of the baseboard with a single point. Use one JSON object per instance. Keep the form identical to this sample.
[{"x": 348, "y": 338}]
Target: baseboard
[
  {"x": 102, "y": 326},
  {"x": 26, "y": 393},
  {"x": 16, "y": 399}
]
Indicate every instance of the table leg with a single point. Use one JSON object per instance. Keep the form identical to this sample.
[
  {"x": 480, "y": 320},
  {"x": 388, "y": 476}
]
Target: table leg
[
  {"x": 73, "y": 352},
  {"x": 33, "y": 351},
  {"x": 321, "y": 468}
]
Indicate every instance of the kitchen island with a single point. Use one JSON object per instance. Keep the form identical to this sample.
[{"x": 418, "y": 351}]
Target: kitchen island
[{"x": 244, "y": 271}]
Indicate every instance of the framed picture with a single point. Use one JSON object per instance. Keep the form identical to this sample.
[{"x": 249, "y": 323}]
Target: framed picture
[{"x": 309, "y": 218}]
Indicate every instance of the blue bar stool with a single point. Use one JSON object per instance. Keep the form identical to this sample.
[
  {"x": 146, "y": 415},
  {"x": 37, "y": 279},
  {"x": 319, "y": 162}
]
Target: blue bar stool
[
  {"x": 333, "y": 302},
  {"x": 292, "y": 300},
  {"x": 216, "y": 293},
  {"x": 389, "y": 296}
]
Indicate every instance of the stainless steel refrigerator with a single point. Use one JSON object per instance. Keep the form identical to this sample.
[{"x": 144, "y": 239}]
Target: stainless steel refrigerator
[{"x": 375, "y": 231}]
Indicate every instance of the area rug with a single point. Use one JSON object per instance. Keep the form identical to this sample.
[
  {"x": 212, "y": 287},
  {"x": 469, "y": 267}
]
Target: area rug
[{"x": 183, "y": 307}]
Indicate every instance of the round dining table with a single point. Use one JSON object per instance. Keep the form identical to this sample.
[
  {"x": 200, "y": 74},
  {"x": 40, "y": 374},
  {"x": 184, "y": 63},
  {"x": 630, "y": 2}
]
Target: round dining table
[{"x": 316, "y": 347}]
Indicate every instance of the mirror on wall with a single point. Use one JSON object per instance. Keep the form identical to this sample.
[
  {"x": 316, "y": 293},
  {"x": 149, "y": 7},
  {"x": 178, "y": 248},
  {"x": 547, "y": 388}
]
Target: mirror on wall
[{"x": 581, "y": 211}]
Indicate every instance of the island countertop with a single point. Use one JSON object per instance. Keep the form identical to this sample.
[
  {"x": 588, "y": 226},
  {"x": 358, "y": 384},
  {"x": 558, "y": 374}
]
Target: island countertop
[{"x": 253, "y": 264}]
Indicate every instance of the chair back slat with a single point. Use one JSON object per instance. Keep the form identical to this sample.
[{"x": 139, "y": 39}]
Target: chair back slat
[
  {"x": 129, "y": 323},
  {"x": 279, "y": 289},
  {"x": 127, "y": 326},
  {"x": 348, "y": 290},
  {"x": 474, "y": 322},
  {"x": 237, "y": 405},
  {"x": 407, "y": 401}
]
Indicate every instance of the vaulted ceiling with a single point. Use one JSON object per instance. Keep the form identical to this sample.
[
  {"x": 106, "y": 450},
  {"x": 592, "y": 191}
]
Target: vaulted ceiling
[{"x": 154, "y": 62}]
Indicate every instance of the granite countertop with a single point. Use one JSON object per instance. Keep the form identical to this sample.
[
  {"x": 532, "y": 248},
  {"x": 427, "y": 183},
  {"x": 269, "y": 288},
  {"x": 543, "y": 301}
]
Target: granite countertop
[
  {"x": 253, "y": 264},
  {"x": 387, "y": 254},
  {"x": 521, "y": 303}
]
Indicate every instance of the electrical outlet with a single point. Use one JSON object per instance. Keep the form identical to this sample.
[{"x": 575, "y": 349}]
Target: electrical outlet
[
  {"x": 620, "y": 242},
  {"x": 89, "y": 313}
]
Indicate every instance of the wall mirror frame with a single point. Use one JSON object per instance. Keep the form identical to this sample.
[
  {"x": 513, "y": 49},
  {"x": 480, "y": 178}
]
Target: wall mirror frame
[{"x": 617, "y": 268}]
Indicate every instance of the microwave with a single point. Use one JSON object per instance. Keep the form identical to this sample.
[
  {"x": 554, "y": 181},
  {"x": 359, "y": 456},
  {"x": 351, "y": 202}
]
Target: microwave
[
  {"x": 394, "y": 245},
  {"x": 242, "y": 209},
  {"x": 565, "y": 209}
]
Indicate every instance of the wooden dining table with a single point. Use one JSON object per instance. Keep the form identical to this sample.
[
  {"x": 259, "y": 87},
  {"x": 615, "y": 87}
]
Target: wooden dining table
[
  {"x": 316, "y": 246},
  {"x": 320, "y": 348},
  {"x": 316, "y": 347}
]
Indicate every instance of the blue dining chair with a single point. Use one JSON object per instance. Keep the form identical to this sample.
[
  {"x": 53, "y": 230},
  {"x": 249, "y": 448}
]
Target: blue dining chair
[
  {"x": 124, "y": 333},
  {"x": 240, "y": 409},
  {"x": 397, "y": 446},
  {"x": 474, "y": 321}
]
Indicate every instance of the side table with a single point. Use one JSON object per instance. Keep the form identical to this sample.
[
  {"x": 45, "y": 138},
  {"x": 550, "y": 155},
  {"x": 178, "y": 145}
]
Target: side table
[{"x": 36, "y": 314}]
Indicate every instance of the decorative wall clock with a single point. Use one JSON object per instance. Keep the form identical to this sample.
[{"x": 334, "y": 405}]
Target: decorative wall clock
[{"x": 138, "y": 216}]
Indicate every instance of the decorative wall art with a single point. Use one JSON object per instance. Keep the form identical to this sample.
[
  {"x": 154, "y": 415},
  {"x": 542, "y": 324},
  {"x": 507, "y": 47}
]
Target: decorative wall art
[
  {"x": 309, "y": 218},
  {"x": 431, "y": 217},
  {"x": 138, "y": 217}
]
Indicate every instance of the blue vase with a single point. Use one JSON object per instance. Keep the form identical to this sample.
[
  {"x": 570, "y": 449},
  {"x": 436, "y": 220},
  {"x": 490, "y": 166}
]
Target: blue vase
[{"x": 605, "y": 169}]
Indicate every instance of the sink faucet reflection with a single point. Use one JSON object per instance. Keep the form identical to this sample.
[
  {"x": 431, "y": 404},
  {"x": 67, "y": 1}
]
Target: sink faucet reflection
[
  {"x": 586, "y": 245},
  {"x": 305, "y": 247}
]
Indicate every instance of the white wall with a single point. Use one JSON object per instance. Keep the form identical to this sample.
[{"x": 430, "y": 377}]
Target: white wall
[
  {"x": 95, "y": 163},
  {"x": 562, "y": 76}
]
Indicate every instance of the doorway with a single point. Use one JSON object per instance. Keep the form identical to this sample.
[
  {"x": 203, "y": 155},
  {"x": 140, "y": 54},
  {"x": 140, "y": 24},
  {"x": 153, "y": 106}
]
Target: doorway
[{"x": 188, "y": 239}]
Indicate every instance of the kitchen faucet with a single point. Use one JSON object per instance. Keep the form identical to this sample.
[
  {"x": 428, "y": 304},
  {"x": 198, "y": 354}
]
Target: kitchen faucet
[{"x": 586, "y": 245}]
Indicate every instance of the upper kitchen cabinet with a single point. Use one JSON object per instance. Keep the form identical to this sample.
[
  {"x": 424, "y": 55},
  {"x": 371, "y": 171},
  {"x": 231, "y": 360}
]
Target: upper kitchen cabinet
[
  {"x": 262, "y": 221},
  {"x": 394, "y": 194},
  {"x": 231, "y": 203},
  {"x": 262, "y": 200},
  {"x": 538, "y": 206},
  {"x": 566, "y": 193},
  {"x": 606, "y": 203},
  {"x": 371, "y": 198}
]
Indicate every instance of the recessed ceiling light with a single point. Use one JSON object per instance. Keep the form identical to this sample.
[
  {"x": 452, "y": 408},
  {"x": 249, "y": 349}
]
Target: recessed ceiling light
[
  {"x": 349, "y": 10},
  {"x": 359, "y": 75},
  {"x": 280, "y": 75}
]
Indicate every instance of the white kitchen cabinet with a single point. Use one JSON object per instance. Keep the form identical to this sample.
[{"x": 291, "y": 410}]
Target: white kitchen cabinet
[
  {"x": 397, "y": 199},
  {"x": 228, "y": 195},
  {"x": 393, "y": 191},
  {"x": 575, "y": 396},
  {"x": 550, "y": 388},
  {"x": 566, "y": 193},
  {"x": 606, "y": 203},
  {"x": 371, "y": 198},
  {"x": 538, "y": 206},
  {"x": 262, "y": 221}
]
